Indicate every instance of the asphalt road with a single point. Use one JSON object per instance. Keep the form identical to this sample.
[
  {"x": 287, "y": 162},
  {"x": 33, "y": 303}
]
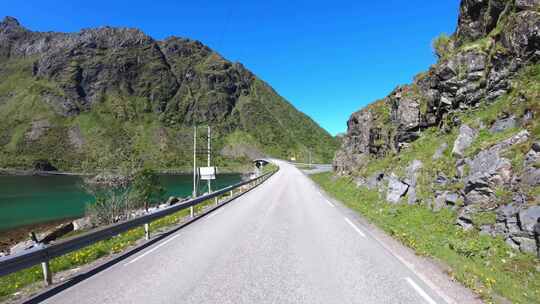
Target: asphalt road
[{"x": 283, "y": 242}]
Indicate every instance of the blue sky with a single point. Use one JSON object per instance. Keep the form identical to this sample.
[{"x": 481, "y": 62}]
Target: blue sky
[{"x": 328, "y": 58}]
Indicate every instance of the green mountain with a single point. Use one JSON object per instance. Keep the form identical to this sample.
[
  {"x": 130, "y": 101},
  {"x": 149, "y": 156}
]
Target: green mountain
[{"x": 106, "y": 97}]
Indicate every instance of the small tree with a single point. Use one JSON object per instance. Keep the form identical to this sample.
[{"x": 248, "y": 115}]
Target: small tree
[
  {"x": 146, "y": 187},
  {"x": 442, "y": 45}
]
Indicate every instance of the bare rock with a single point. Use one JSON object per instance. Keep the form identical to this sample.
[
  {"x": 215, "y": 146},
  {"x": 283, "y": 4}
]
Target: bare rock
[
  {"x": 412, "y": 176},
  {"x": 396, "y": 189},
  {"x": 528, "y": 218},
  {"x": 84, "y": 223},
  {"x": 172, "y": 200},
  {"x": 439, "y": 152},
  {"x": 374, "y": 180},
  {"x": 75, "y": 138},
  {"x": 526, "y": 244},
  {"x": 38, "y": 129},
  {"x": 503, "y": 124},
  {"x": 463, "y": 141}
]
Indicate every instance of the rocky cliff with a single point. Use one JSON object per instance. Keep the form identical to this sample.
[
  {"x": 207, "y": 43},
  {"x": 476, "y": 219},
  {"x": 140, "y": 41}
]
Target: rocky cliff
[
  {"x": 465, "y": 134},
  {"x": 103, "y": 96}
]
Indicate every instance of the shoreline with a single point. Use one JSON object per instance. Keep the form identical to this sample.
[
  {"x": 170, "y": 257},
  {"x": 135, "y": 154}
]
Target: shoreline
[
  {"x": 12, "y": 236},
  {"x": 30, "y": 172}
]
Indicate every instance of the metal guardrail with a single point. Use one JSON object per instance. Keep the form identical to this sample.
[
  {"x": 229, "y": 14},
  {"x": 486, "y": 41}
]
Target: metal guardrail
[{"x": 42, "y": 254}]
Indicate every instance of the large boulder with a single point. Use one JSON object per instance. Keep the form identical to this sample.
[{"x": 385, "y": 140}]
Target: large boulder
[
  {"x": 411, "y": 180},
  {"x": 396, "y": 189},
  {"x": 463, "y": 141},
  {"x": 528, "y": 218},
  {"x": 503, "y": 124},
  {"x": 531, "y": 165}
]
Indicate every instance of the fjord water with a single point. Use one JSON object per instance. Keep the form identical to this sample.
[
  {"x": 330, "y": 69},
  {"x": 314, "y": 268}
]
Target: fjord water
[{"x": 27, "y": 200}]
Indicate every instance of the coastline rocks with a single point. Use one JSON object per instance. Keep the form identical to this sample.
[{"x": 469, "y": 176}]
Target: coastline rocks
[
  {"x": 109, "y": 180},
  {"x": 84, "y": 223},
  {"x": 172, "y": 200}
]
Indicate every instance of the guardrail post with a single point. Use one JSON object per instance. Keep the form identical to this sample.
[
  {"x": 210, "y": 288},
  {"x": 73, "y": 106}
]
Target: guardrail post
[
  {"x": 216, "y": 200},
  {"x": 47, "y": 274},
  {"x": 147, "y": 231},
  {"x": 231, "y": 193},
  {"x": 191, "y": 212}
]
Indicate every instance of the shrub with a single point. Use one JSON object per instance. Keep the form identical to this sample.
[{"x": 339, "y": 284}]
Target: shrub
[
  {"x": 111, "y": 207},
  {"x": 442, "y": 45},
  {"x": 147, "y": 187}
]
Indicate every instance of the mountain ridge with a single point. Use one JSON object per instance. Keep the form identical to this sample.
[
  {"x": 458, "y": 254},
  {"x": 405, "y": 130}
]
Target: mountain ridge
[{"x": 124, "y": 78}]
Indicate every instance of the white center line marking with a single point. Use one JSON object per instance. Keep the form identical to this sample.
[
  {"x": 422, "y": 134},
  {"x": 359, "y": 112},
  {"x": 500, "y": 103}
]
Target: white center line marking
[
  {"x": 151, "y": 250},
  {"x": 354, "y": 227},
  {"x": 420, "y": 291},
  {"x": 329, "y": 203}
]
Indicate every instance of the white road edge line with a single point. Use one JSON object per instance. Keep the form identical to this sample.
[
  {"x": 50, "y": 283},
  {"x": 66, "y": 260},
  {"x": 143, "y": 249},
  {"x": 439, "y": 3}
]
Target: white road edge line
[
  {"x": 320, "y": 193},
  {"x": 420, "y": 291},
  {"x": 329, "y": 203},
  {"x": 355, "y": 228},
  {"x": 214, "y": 213},
  {"x": 411, "y": 267},
  {"x": 151, "y": 250}
]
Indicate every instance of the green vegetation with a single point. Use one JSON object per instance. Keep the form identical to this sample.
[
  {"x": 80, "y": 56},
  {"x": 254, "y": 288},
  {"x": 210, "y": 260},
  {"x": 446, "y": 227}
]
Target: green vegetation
[
  {"x": 304, "y": 166},
  {"x": 120, "y": 130},
  {"x": 146, "y": 187},
  {"x": 270, "y": 168},
  {"x": 485, "y": 264},
  {"x": 442, "y": 45}
]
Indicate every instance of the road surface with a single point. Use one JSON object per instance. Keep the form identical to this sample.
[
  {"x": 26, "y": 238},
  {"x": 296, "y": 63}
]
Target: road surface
[{"x": 283, "y": 242}]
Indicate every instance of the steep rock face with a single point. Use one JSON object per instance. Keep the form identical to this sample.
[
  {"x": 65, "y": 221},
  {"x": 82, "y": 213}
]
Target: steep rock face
[
  {"x": 464, "y": 134},
  {"x": 459, "y": 81},
  {"x": 147, "y": 91}
]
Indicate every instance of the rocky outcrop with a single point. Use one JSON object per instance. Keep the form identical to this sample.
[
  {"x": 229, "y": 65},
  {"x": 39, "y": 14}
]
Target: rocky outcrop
[
  {"x": 459, "y": 81},
  {"x": 396, "y": 189},
  {"x": 489, "y": 178},
  {"x": 463, "y": 141}
]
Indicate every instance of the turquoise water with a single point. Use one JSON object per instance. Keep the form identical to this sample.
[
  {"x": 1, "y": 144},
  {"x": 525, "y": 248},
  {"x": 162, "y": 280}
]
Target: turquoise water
[{"x": 26, "y": 200}]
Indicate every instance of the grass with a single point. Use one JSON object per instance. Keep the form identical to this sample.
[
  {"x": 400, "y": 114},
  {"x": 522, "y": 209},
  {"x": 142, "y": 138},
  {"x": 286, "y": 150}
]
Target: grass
[
  {"x": 125, "y": 127},
  {"x": 484, "y": 264}
]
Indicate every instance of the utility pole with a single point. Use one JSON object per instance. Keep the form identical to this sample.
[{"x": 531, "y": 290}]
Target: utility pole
[
  {"x": 194, "y": 195},
  {"x": 209, "y": 182}
]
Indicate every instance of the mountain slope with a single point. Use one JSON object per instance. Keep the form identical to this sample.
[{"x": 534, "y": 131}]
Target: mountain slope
[
  {"x": 105, "y": 97},
  {"x": 450, "y": 164},
  {"x": 465, "y": 135}
]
